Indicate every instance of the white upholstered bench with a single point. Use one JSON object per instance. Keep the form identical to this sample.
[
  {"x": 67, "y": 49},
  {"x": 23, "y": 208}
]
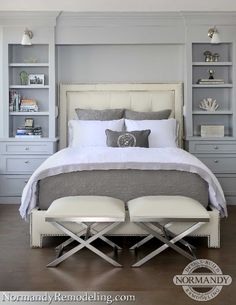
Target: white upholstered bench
[
  {"x": 86, "y": 211},
  {"x": 155, "y": 213}
]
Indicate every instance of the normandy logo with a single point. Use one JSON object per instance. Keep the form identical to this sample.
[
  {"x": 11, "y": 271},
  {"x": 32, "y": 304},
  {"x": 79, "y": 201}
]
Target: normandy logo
[{"x": 204, "y": 284}]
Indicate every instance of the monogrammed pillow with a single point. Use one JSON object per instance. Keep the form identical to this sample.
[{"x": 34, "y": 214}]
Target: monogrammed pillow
[{"x": 137, "y": 138}]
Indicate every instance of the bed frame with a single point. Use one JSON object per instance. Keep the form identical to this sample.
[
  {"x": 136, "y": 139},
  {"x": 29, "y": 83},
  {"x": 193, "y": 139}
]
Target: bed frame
[{"x": 139, "y": 97}]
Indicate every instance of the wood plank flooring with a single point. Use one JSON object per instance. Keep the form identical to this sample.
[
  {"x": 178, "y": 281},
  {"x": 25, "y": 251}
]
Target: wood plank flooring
[{"x": 23, "y": 268}]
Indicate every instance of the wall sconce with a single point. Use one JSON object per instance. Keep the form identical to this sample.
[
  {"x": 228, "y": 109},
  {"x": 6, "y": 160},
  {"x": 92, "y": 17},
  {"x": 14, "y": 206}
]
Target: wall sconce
[
  {"x": 26, "y": 38},
  {"x": 214, "y": 35}
]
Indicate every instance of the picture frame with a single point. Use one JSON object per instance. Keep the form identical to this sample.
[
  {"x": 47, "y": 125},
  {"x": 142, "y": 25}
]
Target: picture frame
[
  {"x": 212, "y": 131},
  {"x": 36, "y": 79},
  {"x": 29, "y": 122}
]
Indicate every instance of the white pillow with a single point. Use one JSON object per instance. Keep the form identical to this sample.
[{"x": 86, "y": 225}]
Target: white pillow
[
  {"x": 91, "y": 133},
  {"x": 163, "y": 132}
]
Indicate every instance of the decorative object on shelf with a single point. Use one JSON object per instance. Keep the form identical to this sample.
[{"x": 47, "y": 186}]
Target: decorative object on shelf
[
  {"x": 208, "y": 131},
  {"x": 36, "y": 79},
  {"x": 26, "y": 38},
  {"x": 214, "y": 35},
  {"x": 29, "y": 122},
  {"x": 211, "y": 74},
  {"x": 208, "y": 104},
  {"x": 208, "y": 56},
  {"x": 215, "y": 57},
  {"x": 23, "y": 78},
  {"x": 29, "y": 105}
]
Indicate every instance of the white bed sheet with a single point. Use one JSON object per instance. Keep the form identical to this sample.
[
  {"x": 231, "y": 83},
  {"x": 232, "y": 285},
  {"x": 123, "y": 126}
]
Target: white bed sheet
[{"x": 105, "y": 158}]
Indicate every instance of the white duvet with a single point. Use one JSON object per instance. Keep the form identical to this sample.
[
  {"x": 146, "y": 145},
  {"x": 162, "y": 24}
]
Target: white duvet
[{"x": 105, "y": 158}]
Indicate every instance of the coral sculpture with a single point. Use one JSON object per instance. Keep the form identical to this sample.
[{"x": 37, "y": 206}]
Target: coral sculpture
[{"x": 208, "y": 104}]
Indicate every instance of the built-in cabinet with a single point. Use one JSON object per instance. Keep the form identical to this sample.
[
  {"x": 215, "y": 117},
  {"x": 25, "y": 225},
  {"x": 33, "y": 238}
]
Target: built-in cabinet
[
  {"x": 28, "y": 97},
  {"x": 25, "y": 64},
  {"x": 211, "y": 79}
]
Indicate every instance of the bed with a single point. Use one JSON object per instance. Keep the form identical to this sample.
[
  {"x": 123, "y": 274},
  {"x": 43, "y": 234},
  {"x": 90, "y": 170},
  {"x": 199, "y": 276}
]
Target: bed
[{"x": 139, "y": 97}]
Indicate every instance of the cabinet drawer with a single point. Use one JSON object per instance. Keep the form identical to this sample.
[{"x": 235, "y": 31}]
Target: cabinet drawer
[
  {"x": 12, "y": 185},
  {"x": 27, "y": 148},
  {"x": 14, "y": 164},
  {"x": 213, "y": 147},
  {"x": 219, "y": 163},
  {"x": 228, "y": 185}
]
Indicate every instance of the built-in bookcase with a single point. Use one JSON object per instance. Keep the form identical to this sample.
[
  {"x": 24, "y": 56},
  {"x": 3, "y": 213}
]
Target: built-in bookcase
[
  {"x": 32, "y": 60},
  {"x": 222, "y": 92}
]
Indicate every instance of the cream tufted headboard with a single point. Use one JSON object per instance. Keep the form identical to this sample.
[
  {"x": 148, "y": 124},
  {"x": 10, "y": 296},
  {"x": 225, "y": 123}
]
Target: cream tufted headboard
[{"x": 139, "y": 97}]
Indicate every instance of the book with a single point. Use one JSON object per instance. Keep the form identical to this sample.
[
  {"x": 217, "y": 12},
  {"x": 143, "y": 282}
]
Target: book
[
  {"x": 28, "y": 105},
  {"x": 29, "y": 131},
  {"x": 28, "y": 136},
  {"x": 207, "y": 81}
]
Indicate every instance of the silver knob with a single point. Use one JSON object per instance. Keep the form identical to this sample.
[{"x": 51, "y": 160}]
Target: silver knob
[
  {"x": 26, "y": 181},
  {"x": 27, "y": 148},
  {"x": 27, "y": 161},
  {"x": 216, "y": 147},
  {"x": 216, "y": 161}
]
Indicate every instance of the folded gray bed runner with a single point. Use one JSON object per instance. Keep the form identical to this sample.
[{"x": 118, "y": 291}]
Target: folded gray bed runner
[{"x": 122, "y": 184}]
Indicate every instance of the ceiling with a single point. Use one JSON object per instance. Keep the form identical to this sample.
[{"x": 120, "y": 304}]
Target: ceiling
[{"x": 118, "y": 5}]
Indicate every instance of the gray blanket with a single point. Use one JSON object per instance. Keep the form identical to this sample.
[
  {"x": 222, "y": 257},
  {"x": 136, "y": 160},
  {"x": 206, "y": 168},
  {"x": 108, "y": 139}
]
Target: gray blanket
[{"x": 122, "y": 184}]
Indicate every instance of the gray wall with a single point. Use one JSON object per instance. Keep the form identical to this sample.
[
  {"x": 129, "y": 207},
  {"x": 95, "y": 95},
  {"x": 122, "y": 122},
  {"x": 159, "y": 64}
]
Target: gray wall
[{"x": 120, "y": 63}]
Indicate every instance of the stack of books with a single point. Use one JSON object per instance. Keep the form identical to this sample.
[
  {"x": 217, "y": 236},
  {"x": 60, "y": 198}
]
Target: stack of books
[
  {"x": 27, "y": 105},
  {"x": 26, "y": 132},
  {"x": 206, "y": 81}
]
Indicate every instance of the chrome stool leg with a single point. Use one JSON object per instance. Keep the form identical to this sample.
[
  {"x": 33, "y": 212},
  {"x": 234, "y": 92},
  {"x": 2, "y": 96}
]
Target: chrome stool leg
[
  {"x": 84, "y": 243},
  {"x": 167, "y": 243}
]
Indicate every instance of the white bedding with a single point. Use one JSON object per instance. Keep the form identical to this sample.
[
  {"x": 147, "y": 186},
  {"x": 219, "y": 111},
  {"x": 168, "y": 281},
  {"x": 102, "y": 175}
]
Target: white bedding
[{"x": 105, "y": 158}]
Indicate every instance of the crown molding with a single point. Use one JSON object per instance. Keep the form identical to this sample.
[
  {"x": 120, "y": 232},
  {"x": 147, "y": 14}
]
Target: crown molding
[
  {"x": 209, "y": 18},
  {"x": 14, "y": 18},
  {"x": 85, "y": 19}
]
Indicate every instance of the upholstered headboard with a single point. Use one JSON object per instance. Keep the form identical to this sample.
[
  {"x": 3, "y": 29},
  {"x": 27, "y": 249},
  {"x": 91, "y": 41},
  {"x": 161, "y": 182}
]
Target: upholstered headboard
[{"x": 139, "y": 97}]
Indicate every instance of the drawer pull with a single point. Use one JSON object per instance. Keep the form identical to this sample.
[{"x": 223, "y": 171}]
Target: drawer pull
[
  {"x": 216, "y": 147},
  {"x": 27, "y": 148},
  {"x": 27, "y": 161},
  {"x": 216, "y": 161},
  {"x": 26, "y": 181}
]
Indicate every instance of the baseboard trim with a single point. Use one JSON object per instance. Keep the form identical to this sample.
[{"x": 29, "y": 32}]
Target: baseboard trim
[{"x": 10, "y": 200}]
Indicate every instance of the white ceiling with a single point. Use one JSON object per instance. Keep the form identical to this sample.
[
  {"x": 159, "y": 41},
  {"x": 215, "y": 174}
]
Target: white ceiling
[{"x": 118, "y": 5}]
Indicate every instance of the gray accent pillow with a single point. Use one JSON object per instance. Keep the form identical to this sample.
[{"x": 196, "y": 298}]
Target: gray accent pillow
[
  {"x": 137, "y": 138},
  {"x": 99, "y": 115},
  {"x": 153, "y": 115}
]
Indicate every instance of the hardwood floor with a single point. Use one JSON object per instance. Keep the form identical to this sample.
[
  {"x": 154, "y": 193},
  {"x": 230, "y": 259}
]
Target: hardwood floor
[{"x": 23, "y": 268}]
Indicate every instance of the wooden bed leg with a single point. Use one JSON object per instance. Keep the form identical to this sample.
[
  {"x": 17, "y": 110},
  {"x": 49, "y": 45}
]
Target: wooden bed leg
[
  {"x": 214, "y": 236},
  {"x": 214, "y": 240},
  {"x": 36, "y": 238}
]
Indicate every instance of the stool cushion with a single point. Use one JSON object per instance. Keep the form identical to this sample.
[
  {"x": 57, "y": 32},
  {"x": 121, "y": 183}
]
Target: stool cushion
[
  {"x": 87, "y": 208},
  {"x": 151, "y": 208}
]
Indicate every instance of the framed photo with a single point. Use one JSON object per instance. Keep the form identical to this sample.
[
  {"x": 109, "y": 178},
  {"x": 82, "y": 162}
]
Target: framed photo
[
  {"x": 29, "y": 122},
  {"x": 212, "y": 131},
  {"x": 36, "y": 79}
]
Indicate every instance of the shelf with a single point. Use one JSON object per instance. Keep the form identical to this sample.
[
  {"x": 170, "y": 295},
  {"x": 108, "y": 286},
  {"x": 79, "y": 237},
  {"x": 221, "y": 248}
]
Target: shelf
[
  {"x": 218, "y": 112},
  {"x": 29, "y": 113},
  {"x": 42, "y": 139},
  {"x": 28, "y": 87},
  {"x": 28, "y": 64},
  {"x": 213, "y": 86},
  {"x": 199, "y": 138},
  {"x": 207, "y": 63}
]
